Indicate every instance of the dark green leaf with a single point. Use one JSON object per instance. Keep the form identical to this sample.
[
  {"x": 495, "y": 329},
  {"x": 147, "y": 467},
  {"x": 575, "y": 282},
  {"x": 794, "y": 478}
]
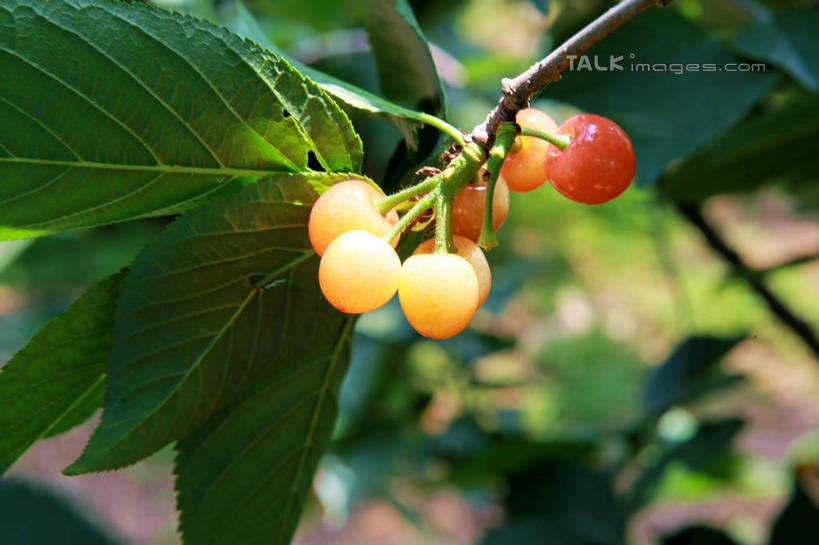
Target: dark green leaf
[
  {"x": 712, "y": 441},
  {"x": 698, "y": 535},
  {"x": 681, "y": 375},
  {"x": 244, "y": 476},
  {"x": 407, "y": 74},
  {"x": 577, "y": 502},
  {"x": 173, "y": 108},
  {"x": 205, "y": 312},
  {"x": 778, "y": 145},
  {"x": 667, "y": 115},
  {"x": 58, "y": 379},
  {"x": 799, "y": 518},
  {"x": 789, "y": 41},
  {"x": 405, "y": 66},
  {"x": 33, "y": 515}
]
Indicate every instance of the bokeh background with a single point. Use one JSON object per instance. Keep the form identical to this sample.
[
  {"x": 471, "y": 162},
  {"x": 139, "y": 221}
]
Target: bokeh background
[{"x": 622, "y": 383}]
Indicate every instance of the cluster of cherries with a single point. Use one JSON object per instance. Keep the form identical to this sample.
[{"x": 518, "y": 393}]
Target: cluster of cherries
[{"x": 440, "y": 292}]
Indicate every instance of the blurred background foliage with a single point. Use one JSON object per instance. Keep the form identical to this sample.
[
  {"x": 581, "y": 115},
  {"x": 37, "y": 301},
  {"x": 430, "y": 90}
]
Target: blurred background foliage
[{"x": 623, "y": 383}]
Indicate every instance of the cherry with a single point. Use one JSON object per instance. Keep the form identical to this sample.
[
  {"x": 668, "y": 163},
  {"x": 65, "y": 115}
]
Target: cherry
[
  {"x": 524, "y": 168},
  {"x": 473, "y": 254},
  {"x": 467, "y": 210},
  {"x": 346, "y": 206},
  {"x": 598, "y": 164},
  {"x": 359, "y": 272},
  {"x": 438, "y": 294}
]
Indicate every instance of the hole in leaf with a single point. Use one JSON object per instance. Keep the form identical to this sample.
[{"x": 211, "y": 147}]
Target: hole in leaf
[
  {"x": 313, "y": 162},
  {"x": 285, "y": 113}
]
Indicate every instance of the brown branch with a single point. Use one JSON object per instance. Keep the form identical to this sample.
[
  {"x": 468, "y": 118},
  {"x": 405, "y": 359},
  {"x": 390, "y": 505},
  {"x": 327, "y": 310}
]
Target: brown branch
[
  {"x": 518, "y": 91},
  {"x": 799, "y": 326}
]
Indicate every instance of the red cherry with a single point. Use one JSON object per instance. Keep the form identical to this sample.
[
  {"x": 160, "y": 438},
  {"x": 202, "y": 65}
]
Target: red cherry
[{"x": 597, "y": 165}]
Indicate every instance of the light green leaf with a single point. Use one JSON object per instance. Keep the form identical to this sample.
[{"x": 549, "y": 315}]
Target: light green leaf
[
  {"x": 209, "y": 309},
  {"x": 244, "y": 476},
  {"x": 789, "y": 41},
  {"x": 57, "y": 380},
  {"x": 173, "y": 109}
]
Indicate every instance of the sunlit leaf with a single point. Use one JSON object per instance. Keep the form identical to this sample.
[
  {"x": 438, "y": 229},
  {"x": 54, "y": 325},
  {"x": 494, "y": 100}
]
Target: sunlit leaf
[{"x": 173, "y": 109}]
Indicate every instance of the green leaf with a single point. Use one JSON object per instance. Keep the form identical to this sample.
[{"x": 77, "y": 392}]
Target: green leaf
[
  {"x": 667, "y": 115},
  {"x": 405, "y": 66},
  {"x": 407, "y": 74},
  {"x": 57, "y": 380},
  {"x": 686, "y": 371},
  {"x": 778, "y": 145},
  {"x": 798, "y": 519},
  {"x": 404, "y": 119},
  {"x": 577, "y": 503},
  {"x": 172, "y": 108},
  {"x": 243, "y": 477},
  {"x": 35, "y": 515},
  {"x": 788, "y": 41},
  {"x": 205, "y": 313}
]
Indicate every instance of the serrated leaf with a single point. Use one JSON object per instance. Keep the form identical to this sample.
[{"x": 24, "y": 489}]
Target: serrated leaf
[
  {"x": 787, "y": 41},
  {"x": 205, "y": 311},
  {"x": 243, "y": 477},
  {"x": 57, "y": 380},
  {"x": 404, "y": 119},
  {"x": 679, "y": 109},
  {"x": 171, "y": 107},
  {"x": 778, "y": 145},
  {"x": 678, "y": 378}
]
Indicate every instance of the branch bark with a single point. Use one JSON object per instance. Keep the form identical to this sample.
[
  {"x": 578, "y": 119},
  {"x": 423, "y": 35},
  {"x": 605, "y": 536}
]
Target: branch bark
[
  {"x": 788, "y": 317},
  {"x": 518, "y": 91}
]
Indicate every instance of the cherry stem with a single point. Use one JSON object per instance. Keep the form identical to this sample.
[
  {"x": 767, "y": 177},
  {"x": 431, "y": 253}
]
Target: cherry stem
[
  {"x": 443, "y": 126},
  {"x": 460, "y": 172},
  {"x": 560, "y": 141},
  {"x": 443, "y": 224},
  {"x": 412, "y": 214},
  {"x": 504, "y": 140},
  {"x": 388, "y": 203}
]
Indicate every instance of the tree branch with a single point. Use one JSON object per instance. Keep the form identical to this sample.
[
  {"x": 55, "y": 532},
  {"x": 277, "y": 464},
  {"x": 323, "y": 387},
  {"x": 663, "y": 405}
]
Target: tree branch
[
  {"x": 518, "y": 91},
  {"x": 799, "y": 326}
]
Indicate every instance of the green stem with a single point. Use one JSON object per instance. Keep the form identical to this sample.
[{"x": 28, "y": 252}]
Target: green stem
[
  {"x": 460, "y": 172},
  {"x": 443, "y": 224},
  {"x": 418, "y": 208},
  {"x": 391, "y": 201},
  {"x": 443, "y": 126},
  {"x": 560, "y": 141},
  {"x": 504, "y": 139}
]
